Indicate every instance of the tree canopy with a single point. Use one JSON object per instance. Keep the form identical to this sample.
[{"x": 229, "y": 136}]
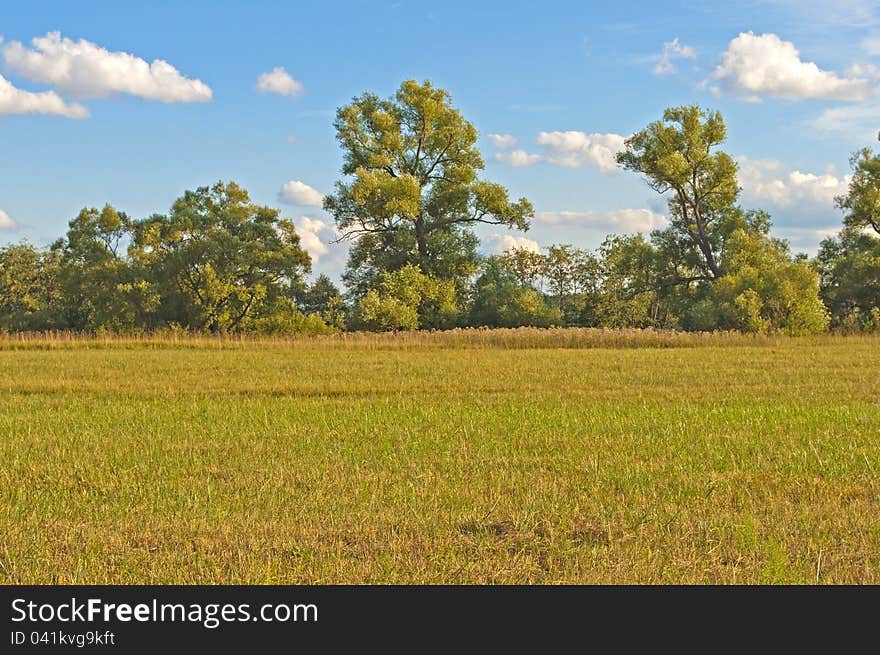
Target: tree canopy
[
  {"x": 412, "y": 182},
  {"x": 219, "y": 258},
  {"x": 409, "y": 202},
  {"x": 862, "y": 200},
  {"x": 677, "y": 155}
]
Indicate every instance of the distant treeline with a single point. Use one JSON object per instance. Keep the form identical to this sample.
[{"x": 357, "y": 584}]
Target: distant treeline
[{"x": 408, "y": 202}]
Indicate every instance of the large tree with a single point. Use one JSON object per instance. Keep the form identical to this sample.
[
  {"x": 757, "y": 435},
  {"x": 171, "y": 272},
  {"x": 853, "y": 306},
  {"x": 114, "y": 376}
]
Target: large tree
[
  {"x": 412, "y": 185},
  {"x": 678, "y": 156},
  {"x": 220, "y": 259},
  {"x": 101, "y": 287}
]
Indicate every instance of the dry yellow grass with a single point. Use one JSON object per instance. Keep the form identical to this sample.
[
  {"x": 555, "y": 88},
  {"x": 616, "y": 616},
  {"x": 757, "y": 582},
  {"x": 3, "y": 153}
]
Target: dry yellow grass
[{"x": 538, "y": 456}]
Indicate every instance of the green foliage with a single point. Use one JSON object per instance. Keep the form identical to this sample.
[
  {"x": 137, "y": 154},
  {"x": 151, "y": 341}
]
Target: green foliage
[
  {"x": 454, "y": 257},
  {"x": 407, "y": 299},
  {"x": 501, "y": 300},
  {"x": 379, "y": 313},
  {"x": 412, "y": 166},
  {"x": 30, "y": 289},
  {"x": 323, "y": 299},
  {"x": 628, "y": 297},
  {"x": 849, "y": 269},
  {"x": 526, "y": 266},
  {"x": 411, "y": 196},
  {"x": 218, "y": 258},
  {"x": 283, "y": 318},
  {"x": 103, "y": 289},
  {"x": 862, "y": 201},
  {"x": 572, "y": 276},
  {"x": 765, "y": 290},
  {"x": 676, "y": 155}
]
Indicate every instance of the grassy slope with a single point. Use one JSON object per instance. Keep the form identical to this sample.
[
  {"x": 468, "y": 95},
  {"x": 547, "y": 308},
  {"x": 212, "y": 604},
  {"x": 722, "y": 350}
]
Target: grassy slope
[{"x": 274, "y": 462}]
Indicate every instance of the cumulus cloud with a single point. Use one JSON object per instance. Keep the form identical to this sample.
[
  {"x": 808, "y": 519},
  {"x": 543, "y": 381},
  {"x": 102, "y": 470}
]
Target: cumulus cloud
[
  {"x": 518, "y": 158},
  {"x": 279, "y": 81},
  {"x": 765, "y": 65},
  {"x": 501, "y": 243},
  {"x": 768, "y": 181},
  {"x": 620, "y": 220},
  {"x": 85, "y": 70},
  {"x": 6, "y": 222},
  {"x": 310, "y": 231},
  {"x": 503, "y": 141},
  {"x": 575, "y": 149},
  {"x": 300, "y": 194},
  {"x": 17, "y": 101},
  {"x": 571, "y": 149},
  {"x": 673, "y": 50}
]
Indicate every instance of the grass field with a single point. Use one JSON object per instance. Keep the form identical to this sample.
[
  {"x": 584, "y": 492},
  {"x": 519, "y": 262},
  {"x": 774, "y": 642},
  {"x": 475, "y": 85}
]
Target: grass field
[{"x": 468, "y": 457}]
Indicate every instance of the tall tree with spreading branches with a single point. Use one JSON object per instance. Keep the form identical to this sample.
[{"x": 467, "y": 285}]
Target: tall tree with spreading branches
[
  {"x": 678, "y": 155},
  {"x": 411, "y": 165}
]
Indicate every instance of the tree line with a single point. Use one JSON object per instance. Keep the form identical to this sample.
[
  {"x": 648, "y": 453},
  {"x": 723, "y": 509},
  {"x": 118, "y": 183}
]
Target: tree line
[{"x": 409, "y": 199}]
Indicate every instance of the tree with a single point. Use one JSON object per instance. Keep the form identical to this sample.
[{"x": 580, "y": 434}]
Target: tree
[
  {"x": 323, "y": 298},
  {"x": 407, "y": 299},
  {"x": 220, "y": 259},
  {"x": 628, "y": 296},
  {"x": 676, "y": 155},
  {"x": 527, "y": 266},
  {"x": 862, "y": 201},
  {"x": 500, "y": 300},
  {"x": 766, "y": 290},
  {"x": 572, "y": 278},
  {"x": 30, "y": 288},
  {"x": 849, "y": 273},
  {"x": 102, "y": 289},
  {"x": 412, "y": 186},
  {"x": 454, "y": 258}
]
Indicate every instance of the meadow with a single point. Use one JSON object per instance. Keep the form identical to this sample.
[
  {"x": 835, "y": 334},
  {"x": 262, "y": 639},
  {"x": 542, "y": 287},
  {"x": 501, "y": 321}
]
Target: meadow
[{"x": 472, "y": 456}]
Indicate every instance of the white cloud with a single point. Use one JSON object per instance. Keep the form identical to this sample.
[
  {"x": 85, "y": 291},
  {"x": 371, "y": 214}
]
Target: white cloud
[
  {"x": 6, "y": 222},
  {"x": 18, "y": 101},
  {"x": 279, "y": 81},
  {"x": 768, "y": 181},
  {"x": 86, "y": 70},
  {"x": 858, "y": 122},
  {"x": 571, "y": 149},
  {"x": 580, "y": 149},
  {"x": 518, "y": 158},
  {"x": 620, "y": 220},
  {"x": 310, "y": 231},
  {"x": 755, "y": 66},
  {"x": 503, "y": 141},
  {"x": 673, "y": 50},
  {"x": 300, "y": 194},
  {"x": 869, "y": 71},
  {"x": 805, "y": 237},
  {"x": 501, "y": 243}
]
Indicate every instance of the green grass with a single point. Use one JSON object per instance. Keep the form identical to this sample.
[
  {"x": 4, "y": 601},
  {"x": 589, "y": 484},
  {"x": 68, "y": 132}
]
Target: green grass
[{"x": 481, "y": 457}]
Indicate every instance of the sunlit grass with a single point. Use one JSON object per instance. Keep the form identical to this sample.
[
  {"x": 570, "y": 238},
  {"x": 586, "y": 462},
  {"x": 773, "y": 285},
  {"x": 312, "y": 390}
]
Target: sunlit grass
[{"x": 468, "y": 456}]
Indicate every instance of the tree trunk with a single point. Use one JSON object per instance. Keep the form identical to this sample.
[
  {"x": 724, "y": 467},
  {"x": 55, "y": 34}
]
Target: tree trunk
[
  {"x": 706, "y": 249},
  {"x": 705, "y": 246},
  {"x": 421, "y": 241}
]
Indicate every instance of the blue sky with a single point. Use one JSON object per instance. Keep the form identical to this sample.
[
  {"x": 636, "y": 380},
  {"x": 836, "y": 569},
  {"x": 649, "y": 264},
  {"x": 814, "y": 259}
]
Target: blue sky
[{"x": 559, "y": 84}]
